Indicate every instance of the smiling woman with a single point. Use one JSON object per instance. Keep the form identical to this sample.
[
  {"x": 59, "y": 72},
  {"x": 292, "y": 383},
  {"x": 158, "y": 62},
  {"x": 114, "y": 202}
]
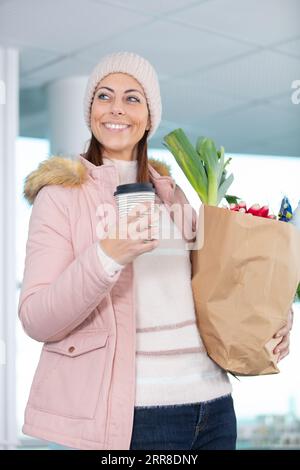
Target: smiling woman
[
  {"x": 123, "y": 365},
  {"x": 119, "y": 118}
]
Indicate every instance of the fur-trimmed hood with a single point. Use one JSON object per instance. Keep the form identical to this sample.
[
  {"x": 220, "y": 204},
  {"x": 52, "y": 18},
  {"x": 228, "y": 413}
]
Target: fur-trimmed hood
[{"x": 69, "y": 173}]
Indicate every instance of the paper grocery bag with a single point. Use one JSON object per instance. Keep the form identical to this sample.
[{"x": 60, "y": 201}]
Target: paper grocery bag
[{"x": 245, "y": 275}]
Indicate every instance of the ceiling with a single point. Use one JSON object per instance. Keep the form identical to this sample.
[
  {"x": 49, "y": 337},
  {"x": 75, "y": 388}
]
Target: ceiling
[{"x": 225, "y": 66}]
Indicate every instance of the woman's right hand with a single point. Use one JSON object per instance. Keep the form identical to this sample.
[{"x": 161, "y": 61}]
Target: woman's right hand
[{"x": 133, "y": 229}]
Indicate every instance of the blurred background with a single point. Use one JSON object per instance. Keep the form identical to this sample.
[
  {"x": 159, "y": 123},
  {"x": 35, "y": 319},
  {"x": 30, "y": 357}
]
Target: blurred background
[{"x": 228, "y": 69}]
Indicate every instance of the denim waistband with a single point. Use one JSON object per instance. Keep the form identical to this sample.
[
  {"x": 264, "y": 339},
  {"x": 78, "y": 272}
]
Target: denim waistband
[{"x": 178, "y": 405}]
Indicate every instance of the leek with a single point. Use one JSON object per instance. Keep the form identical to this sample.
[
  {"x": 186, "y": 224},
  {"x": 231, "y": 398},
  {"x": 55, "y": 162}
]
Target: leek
[
  {"x": 297, "y": 296},
  {"x": 204, "y": 166}
]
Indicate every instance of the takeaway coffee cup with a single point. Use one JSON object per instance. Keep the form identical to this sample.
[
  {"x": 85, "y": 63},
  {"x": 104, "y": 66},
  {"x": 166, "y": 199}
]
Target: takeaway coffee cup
[{"x": 129, "y": 195}]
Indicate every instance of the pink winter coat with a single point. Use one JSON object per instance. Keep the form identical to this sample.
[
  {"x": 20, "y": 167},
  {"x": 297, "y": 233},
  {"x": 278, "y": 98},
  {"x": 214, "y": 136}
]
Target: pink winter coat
[{"x": 83, "y": 390}]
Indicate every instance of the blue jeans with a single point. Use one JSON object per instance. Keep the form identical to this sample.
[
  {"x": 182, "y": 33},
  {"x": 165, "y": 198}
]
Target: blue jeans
[{"x": 194, "y": 426}]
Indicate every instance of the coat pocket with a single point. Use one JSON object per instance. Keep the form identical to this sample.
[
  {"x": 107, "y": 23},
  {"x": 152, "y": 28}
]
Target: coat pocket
[{"x": 69, "y": 375}]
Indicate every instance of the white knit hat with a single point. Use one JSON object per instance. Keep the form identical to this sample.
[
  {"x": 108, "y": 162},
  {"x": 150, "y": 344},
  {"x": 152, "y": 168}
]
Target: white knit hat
[{"x": 140, "y": 69}]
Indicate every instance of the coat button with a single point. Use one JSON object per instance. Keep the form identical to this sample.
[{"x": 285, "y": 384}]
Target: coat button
[{"x": 71, "y": 349}]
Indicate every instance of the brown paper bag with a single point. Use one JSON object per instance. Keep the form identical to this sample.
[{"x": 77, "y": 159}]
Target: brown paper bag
[{"x": 244, "y": 281}]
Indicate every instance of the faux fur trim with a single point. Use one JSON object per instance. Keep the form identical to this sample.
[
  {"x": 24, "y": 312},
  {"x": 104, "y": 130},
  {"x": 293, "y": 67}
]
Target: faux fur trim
[{"x": 68, "y": 173}]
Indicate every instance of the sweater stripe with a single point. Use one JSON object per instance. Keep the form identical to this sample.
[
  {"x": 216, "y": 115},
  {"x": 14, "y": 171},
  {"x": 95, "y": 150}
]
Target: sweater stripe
[
  {"x": 171, "y": 326},
  {"x": 171, "y": 351}
]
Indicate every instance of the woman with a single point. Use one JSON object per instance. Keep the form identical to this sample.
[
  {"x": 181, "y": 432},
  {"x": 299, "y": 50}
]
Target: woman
[{"x": 123, "y": 365}]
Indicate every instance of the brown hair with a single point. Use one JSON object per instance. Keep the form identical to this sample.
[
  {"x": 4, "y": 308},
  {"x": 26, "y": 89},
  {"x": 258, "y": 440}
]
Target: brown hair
[{"x": 94, "y": 155}]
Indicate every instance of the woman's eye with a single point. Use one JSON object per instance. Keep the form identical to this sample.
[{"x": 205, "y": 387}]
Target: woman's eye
[
  {"x": 103, "y": 94},
  {"x": 134, "y": 97}
]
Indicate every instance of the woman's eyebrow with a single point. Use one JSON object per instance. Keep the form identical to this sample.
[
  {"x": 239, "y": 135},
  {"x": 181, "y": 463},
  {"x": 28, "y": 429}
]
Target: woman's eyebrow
[{"x": 127, "y": 91}]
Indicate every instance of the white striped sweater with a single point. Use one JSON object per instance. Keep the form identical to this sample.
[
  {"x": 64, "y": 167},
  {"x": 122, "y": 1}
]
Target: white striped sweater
[{"x": 172, "y": 366}]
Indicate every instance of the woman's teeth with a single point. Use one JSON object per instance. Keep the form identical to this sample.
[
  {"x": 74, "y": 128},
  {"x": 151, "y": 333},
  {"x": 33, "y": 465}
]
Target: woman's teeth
[{"x": 116, "y": 127}]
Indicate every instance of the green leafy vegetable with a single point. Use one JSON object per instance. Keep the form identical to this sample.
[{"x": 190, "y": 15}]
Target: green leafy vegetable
[
  {"x": 204, "y": 166},
  {"x": 297, "y": 296}
]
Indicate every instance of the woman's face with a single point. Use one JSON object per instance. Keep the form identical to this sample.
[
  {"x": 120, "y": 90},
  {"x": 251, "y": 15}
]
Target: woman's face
[{"x": 119, "y": 105}]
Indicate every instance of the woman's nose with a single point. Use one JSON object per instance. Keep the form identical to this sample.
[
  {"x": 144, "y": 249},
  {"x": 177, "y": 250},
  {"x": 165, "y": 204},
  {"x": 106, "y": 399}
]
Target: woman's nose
[
  {"x": 117, "y": 111},
  {"x": 116, "y": 107}
]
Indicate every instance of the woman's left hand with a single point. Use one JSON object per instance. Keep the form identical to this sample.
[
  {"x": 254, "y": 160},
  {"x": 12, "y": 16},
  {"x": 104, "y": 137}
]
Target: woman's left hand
[{"x": 284, "y": 346}]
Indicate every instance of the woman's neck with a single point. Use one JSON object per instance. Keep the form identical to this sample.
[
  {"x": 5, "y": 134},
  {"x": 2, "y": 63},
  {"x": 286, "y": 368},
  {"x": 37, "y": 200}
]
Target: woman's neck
[{"x": 120, "y": 161}]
